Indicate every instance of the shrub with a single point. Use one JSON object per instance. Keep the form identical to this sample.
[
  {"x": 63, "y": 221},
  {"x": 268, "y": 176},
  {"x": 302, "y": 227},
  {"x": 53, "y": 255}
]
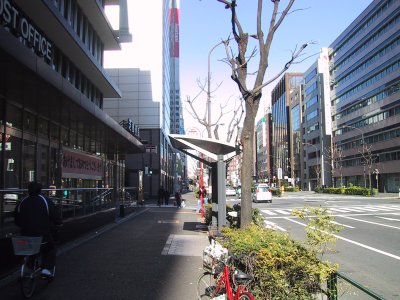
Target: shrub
[
  {"x": 282, "y": 268},
  {"x": 351, "y": 190},
  {"x": 292, "y": 189},
  {"x": 333, "y": 190},
  {"x": 276, "y": 192},
  {"x": 196, "y": 192}
]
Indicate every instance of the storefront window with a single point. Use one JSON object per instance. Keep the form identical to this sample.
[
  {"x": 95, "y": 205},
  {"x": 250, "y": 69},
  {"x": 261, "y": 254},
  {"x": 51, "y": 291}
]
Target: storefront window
[
  {"x": 54, "y": 134},
  {"x": 43, "y": 127},
  {"x": 43, "y": 164},
  {"x": 55, "y": 171},
  {"x": 13, "y": 162},
  {"x": 64, "y": 136},
  {"x": 29, "y": 122},
  {"x": 14, "y": 116},
  {"x": 29, "y": 154}
]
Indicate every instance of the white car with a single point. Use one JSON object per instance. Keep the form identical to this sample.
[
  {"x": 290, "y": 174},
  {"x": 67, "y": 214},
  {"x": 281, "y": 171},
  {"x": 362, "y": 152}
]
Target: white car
[
  {"x": 230, "y": 191},
  {"x": 262, "y": 193}
]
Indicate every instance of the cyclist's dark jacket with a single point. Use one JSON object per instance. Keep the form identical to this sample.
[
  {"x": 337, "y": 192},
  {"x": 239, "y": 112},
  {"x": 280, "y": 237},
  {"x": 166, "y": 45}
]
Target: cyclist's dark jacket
[{"x": 36, "y": 216}]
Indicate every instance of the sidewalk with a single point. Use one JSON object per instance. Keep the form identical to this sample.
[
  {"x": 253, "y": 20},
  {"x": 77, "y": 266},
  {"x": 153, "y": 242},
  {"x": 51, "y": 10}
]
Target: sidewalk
[{"x": 154, "y": 253}]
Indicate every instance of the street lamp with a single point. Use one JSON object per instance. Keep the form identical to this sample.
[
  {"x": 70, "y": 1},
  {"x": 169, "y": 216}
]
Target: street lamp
[
  {"x": 363, "y": 149},
  {"x": 316, "y": 153}
]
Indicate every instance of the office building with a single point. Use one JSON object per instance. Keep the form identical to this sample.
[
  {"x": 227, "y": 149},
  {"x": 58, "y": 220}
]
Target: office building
[
  {"x": 296, "y": 132},
  {"x": 154, "y": 106},
  {"x": 52, "y": 123},
  {"x": 280, "y": 130},
  {"x": 365, "y": 84},
  {"x": 316, "y": 125}
]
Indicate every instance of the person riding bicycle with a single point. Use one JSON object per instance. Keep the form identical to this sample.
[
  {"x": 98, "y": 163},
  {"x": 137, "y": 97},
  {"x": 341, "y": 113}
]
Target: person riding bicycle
[{"x": 36, "y": 216}]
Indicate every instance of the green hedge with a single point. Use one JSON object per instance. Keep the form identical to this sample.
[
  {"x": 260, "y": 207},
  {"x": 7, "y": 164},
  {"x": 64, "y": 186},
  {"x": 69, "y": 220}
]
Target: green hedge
[
  {"x": 282, "y": 268},
  {"x": 351, "y": 190}
]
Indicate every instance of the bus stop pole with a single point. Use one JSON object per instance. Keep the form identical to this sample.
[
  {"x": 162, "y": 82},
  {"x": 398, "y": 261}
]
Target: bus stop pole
[{"x": 221, "y": 174}]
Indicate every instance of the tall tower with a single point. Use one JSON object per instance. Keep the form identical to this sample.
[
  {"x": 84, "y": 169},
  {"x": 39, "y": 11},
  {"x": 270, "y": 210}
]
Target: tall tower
[
  {"x": 175, "y": 99},
  {"x": 176, "y": 114}
]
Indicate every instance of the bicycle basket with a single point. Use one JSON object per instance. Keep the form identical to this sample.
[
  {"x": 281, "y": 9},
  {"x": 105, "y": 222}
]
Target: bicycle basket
[
  {"x": 207, "y": 260},
  {"x": 26, "y": 245},
  {"x": 217, "y": 267}
]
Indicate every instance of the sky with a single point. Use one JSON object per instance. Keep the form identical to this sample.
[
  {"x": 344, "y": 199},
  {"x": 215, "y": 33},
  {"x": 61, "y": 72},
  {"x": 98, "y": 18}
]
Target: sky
[{"x": 204, "y": 23}]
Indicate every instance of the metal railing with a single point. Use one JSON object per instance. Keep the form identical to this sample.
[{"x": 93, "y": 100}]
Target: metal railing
[
  {"x": 341, "y": 286},
  {"x": 71, "y": 202}
]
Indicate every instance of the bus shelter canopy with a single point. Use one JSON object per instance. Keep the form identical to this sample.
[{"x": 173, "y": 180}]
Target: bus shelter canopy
[{"x": 208, "y": 150}]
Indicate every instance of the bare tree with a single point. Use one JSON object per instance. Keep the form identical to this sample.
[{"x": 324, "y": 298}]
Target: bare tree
[
  {"x": 369, "y": 161},
  {"x": 335, "y": 155},
  {"x": 252, "y": 95},
  {"x": 236, "y": 117}
]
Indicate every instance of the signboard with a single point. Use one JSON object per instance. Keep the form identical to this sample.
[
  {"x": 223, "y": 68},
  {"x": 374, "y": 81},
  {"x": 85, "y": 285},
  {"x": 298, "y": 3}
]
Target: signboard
[
  {"x": 151, "y": 148},
  {"x": 77, "y": 164},
  {"x": 279, "y": 173}
]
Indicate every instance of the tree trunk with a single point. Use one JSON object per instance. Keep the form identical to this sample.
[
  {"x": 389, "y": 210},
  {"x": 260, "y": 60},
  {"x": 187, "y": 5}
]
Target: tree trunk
[{"x": 247, "y": 164}]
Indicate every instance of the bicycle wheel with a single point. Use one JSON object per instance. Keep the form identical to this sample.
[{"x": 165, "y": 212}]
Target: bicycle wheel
[
  {"x": 245, "y": 295},
  {"x": 29, "y": 273},
  {"x": 206, "y": 287}
]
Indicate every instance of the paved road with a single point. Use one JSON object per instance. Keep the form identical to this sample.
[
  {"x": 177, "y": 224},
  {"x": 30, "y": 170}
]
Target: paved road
[{"x": 367, "y": 248}]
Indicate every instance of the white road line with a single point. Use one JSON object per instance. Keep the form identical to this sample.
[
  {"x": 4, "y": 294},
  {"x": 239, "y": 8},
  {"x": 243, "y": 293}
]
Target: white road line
[
  {"x": 348, "y": 226},
  {"x": 369, "y": 222},
  {"x": 337, "y": 209},
  {"x": 273, "y": 226},
  {"x": 283, "y": 212},
  {"x": 354, "y": 209},
  {"x": 390, "y": 207},
  {"x": 389, "y": 219},
  {"x": 353, "y": 242},
  {"x": 377, "y": 208},
  {"x": 365, "y": 209},
  {"x": 268, "y": 212}
]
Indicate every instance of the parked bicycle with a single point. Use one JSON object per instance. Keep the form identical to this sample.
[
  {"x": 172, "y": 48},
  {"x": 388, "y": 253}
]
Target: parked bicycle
[
  {"x": 29, "y": 247},
  {"x": 224, "y": 281}
]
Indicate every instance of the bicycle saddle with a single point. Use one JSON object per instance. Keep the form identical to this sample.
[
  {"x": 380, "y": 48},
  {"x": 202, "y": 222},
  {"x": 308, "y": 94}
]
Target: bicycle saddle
[{"x": 242, "y": 277}]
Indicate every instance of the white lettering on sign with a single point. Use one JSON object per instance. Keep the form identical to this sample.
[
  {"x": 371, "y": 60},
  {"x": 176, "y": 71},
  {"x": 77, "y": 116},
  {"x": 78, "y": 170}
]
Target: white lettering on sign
[{"x": 21, "y": 26}]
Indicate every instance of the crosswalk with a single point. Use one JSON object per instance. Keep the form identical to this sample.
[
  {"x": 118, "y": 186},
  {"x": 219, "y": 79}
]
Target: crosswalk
[{"x": 338, "y": 210}]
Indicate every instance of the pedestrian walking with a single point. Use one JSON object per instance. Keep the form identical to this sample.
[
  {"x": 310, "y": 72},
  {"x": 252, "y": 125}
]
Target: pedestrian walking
[
  {"x": 161, "y": 195},
  {"x": 167, "y": 194},
  {"x": 178, "y": 199}
]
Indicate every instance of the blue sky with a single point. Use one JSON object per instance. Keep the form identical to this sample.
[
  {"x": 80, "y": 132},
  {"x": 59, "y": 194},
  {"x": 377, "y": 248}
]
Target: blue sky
[{"x": 204, "y": 23}]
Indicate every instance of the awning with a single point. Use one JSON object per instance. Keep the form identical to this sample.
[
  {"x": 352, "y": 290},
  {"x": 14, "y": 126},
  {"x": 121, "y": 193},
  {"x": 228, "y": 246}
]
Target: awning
[{"x": 209, "y": 149}]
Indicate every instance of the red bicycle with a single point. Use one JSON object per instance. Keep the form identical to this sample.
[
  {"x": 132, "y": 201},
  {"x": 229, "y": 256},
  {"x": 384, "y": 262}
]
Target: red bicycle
[{"x": 224, "y": 281}]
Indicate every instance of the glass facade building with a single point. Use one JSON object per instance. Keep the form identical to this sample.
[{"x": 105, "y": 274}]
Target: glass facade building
[
  {"x": 281, "y": 137},
  {"x": 365, "y": 81},
  {"x": 52, "y": 84}
]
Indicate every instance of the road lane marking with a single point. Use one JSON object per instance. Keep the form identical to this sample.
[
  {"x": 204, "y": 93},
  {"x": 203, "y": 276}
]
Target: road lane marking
[
  {"x": 268, "y": 212},
  {"x": 350, "y": 241},
  {"x": 337, "y": 223},
  {"x": 389, "y": 219},
  {"x": 283, "y": 212},
  {"x": 369, "y": 222},
  {"x": 337, "y": 209},
  {"x": 273, "y": 225},
  {"x": 377, "y": 208}
]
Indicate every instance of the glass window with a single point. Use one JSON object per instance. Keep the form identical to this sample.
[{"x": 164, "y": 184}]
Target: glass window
[
  {"x": 13, "y": 162},
  {"x": 43, "y": 127},
  {"x": 29, "y": 155},
  {"x": 43, "y": 164},
  {"x": 29, "y": 122},
  {"x": 14, "y": 116}
]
